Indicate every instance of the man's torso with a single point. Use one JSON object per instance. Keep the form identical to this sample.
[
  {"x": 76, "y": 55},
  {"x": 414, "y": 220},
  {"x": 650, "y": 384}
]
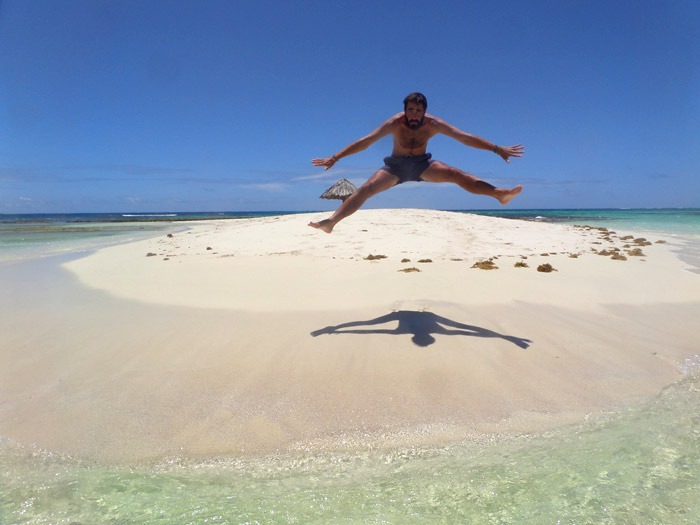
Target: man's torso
[{"x": 409, "y": 141}]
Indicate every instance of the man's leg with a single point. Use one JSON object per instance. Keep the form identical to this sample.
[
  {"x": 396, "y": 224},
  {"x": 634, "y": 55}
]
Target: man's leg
[
  {"x": 382, "y": 180},
  {"x": 441, "y": 172}
]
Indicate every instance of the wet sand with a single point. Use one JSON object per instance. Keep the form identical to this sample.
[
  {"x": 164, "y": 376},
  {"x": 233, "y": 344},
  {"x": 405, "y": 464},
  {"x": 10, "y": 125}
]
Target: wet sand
[{"x": 263, "y": 336}]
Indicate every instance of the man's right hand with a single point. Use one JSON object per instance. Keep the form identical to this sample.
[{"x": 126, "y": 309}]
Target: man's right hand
[{"x": 328, "y": 162}]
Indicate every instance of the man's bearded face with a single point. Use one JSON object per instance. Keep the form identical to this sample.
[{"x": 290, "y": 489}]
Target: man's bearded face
[{"x": 414, "y": 115}]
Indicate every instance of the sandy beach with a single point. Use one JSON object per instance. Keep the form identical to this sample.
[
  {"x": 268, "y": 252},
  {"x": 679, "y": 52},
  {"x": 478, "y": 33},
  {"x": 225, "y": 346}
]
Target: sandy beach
[{"x": 262, "y": 336}]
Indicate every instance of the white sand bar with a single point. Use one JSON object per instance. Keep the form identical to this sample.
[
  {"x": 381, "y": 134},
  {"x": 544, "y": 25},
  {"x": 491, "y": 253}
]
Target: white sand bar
[{"x": 264, "y": 335}]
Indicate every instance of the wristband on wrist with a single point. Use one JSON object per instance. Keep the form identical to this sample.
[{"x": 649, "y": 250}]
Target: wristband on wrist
[{"x": 497, "y": 149}]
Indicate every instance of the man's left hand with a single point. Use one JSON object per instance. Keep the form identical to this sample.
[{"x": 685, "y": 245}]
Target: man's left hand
[{"x": 506, "y": 152}]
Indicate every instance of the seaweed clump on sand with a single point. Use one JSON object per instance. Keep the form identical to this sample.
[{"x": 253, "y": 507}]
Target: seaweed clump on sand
[
  {"x": 546, "y": 268},
  {"x": 485, "y": 265}
]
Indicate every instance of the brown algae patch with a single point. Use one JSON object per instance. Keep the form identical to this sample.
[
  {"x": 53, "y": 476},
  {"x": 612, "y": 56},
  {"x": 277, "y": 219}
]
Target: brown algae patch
[{"x": 485, "y": 265}]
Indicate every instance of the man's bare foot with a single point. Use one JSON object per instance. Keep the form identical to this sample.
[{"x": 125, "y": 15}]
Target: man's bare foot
[
  {"x": 504, "y": 196},
  {"x": 325, "y": 225}
]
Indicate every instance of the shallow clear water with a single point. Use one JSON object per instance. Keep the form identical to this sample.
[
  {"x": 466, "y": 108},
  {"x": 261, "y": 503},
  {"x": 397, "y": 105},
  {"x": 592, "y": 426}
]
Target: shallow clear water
[
  {"x": 638, "y": 466},
  {"x": 40, "y": 235},
  {"x": 675, "y": 221},
  {"x": 19, "y": 241}
]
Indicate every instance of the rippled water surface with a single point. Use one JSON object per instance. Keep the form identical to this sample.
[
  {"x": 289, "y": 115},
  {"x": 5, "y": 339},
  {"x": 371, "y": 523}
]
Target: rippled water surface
[{"x": 638, "y": 466}]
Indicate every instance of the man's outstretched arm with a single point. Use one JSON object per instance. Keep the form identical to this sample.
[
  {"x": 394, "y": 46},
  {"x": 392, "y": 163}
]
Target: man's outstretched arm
[
  {"x": 505, "y": 152},
  {"x": 359, "y": 145}
]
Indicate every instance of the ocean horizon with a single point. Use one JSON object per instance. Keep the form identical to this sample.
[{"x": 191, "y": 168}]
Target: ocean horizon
[{"x": 663, "y": 218}]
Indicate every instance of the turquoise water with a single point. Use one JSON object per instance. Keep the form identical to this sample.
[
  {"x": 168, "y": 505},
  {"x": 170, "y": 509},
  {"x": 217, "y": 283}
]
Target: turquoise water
[
  {"x": 39, "y": 235},
  {"x": 640, "y": 465},
  {"x": 674, "y": 221},
  {"x": 20, "y": 241}
]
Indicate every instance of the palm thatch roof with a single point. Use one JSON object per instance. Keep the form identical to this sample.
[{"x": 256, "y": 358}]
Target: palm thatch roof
[{"x": 340, "y": 190}]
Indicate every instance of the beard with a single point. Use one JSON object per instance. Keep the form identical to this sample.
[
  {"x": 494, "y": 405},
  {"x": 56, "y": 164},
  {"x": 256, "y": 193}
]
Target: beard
[{"x": 414, "y": 123}]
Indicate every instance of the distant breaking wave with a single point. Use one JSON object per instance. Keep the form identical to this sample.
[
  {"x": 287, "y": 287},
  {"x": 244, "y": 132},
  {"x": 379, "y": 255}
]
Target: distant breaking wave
[{"x": 149, "y": 214}]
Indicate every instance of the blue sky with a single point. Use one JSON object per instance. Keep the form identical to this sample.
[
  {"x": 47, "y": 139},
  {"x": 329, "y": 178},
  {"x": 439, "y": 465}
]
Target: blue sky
[{"x": 220, "y": 105}]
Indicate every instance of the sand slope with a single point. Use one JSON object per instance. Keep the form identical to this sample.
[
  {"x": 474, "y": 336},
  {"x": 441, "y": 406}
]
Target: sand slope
[{"x": 264, "y": 335}]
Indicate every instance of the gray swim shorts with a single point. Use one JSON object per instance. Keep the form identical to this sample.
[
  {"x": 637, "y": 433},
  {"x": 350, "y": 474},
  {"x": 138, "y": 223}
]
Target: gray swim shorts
[{"x": 407, "y": 168}]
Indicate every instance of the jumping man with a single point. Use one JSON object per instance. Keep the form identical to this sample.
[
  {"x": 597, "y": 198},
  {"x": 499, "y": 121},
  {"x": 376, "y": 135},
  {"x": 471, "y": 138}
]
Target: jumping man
[{"x": 412, "y": 129}]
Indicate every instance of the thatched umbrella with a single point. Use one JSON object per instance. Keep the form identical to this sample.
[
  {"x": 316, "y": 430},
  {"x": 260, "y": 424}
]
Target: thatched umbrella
[{"x": 340, "y": 190}]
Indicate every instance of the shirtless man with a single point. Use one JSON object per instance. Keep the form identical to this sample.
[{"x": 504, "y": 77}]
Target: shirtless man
[{"x": 412, "y": 129}]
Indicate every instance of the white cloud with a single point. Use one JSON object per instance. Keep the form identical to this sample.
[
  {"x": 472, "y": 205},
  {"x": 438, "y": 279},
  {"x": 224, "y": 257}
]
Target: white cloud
[
  {"x": 335, "y": 174},
  {"x": 267, "y": 186}
]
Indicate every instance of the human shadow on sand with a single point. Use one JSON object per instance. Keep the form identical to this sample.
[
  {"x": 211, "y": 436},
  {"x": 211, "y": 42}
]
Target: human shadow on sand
[{"x": 422, "y": 325}]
